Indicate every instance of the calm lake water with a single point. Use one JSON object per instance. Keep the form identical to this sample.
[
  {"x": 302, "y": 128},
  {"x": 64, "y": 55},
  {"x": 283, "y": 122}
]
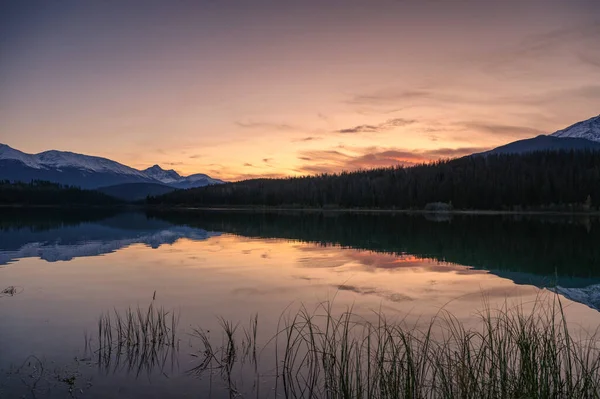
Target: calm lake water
[{"x": 63, "y": 270}]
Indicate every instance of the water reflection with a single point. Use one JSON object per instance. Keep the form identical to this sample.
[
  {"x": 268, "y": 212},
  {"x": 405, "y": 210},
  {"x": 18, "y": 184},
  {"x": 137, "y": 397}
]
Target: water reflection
[
  {"x": 209, "y": 264},
  {"x": 543, "y": 252},
  {"x": 60, "y": 241},
  {"x": 551, "y": 251}
]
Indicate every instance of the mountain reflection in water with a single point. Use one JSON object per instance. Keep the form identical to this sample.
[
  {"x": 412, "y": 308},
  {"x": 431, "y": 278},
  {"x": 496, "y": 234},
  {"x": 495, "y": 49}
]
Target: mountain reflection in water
[{"x": 557, "y": 252}]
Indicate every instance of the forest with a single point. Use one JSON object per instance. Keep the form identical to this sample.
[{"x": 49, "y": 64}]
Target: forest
[
  {"x": 45, "y": 193},
  {"x": 557, "y": 180},
  {"x": 515, "y": 247}
]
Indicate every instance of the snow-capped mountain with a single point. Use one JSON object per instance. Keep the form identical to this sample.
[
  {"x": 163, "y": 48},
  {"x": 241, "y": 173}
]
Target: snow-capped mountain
[
  {"x": 583, "y": 135},
  {"x": 86, "y": 171},
  {"x": 196, "y": 180},
  {"x": 165, "y": 176},
  {"x": 546, "y": 143},
  {"x": 174, "y": 179},
  {"x": 64, "y": 159},
  {"x": 589, "y": 130},
  {"x": 7, "y": 152}
]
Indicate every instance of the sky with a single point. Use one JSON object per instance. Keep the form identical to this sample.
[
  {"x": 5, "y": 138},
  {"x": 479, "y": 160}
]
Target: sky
[{"x": 257, "y": 88}]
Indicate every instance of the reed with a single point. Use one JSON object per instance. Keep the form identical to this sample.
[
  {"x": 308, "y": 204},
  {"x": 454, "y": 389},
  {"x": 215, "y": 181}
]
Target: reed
[
  {"x": 138, "y": 338},
  {"x": 512, "y": 353}
]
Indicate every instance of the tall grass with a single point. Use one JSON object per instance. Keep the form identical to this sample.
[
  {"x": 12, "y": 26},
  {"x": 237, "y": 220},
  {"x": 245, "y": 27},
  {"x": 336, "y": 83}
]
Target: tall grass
[
  {"x": 232, "y": 351},
  {"x": 138, "y": 338},
  {"x": 512, "y": 353}
]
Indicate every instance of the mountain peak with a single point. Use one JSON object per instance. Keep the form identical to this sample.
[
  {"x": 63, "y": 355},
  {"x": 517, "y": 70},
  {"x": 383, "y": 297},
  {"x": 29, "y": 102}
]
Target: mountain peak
[
  {"x": 588, "y": 129},
  {"x": 158, "y": 168},
  {"x": 9, "y": 153},
  {"x": 162, "y": 175},
  {"x": 154, "y": 168},
  {"x": 86, "y": 171}
]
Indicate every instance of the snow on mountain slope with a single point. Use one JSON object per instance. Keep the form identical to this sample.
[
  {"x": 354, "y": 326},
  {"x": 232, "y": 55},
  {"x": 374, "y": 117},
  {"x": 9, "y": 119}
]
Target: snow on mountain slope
[
  {"x": 200, "y": 177},
  {"x": 63, "y": 159},
  {"x": 589, "y": 129},
  {"x": 7, "y": 152},
  {"x": 197, "y": 180},
  {"x": 164, "y": 176},
  {"x": 546, "y": 143},
  {"x": 87, "y": 171},
  {"x": 174, "y": 179}
]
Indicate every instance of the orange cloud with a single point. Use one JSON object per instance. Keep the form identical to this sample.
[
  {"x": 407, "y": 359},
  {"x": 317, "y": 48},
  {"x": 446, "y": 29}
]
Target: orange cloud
[{"x": 332, "y": 161}]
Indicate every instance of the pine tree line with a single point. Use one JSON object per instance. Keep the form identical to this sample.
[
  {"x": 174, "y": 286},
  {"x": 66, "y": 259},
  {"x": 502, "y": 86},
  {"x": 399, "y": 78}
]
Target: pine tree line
[
  {"x": 559, "y": 180},
  {"x": 39, "y": 192}
]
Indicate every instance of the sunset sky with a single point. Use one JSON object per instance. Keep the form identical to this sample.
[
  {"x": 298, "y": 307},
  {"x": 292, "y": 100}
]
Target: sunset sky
[{"x": 249, "y": 88}]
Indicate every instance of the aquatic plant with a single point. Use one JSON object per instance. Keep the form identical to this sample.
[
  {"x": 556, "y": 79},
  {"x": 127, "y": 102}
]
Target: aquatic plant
[
  {"x": 512, "y": 353},
  {"x": 138, "y": 338}
]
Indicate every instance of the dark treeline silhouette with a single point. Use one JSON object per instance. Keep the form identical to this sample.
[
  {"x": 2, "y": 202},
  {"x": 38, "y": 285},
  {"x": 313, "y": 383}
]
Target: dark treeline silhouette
[
  {"x": 563, "y": 247},
  {"x": 42, "y": 219},
  {"x": 45, "y": 193},
  {"x": 559, "y": 180}
]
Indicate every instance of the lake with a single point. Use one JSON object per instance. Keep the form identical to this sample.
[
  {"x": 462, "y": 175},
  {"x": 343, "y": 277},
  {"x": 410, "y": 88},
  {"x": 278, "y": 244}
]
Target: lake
[{"x": 63, "y": 272}]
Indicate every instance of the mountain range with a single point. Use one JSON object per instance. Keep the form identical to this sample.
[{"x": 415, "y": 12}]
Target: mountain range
[
  {"x": 91, "y": 172},
  {"x": 66, "y": 242},
  {"x": 118, "y": 180}
]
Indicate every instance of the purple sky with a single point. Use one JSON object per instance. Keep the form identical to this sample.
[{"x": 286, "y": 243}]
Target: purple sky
[{"x": 269, "y": 88}]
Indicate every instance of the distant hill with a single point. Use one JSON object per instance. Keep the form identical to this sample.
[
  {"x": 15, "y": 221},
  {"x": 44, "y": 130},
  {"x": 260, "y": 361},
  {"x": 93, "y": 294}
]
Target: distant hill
[
  {"x": 86, "y": 171},
  {"x": 135, "y": 191}
]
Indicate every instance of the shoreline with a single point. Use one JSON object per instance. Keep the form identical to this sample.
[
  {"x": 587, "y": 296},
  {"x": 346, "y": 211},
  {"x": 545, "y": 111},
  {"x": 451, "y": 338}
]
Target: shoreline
[
  {"x": 382, "y": 211},
  {"x": 144, "y": 207}
]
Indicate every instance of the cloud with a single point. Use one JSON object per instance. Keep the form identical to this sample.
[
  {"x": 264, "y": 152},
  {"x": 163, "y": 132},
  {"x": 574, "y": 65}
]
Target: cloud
[
  {"x": 388, "y": 96},
  {"x": 267, "y": 160},
  {"x": 556, "y": 37},
  {"x": 453, "y": 152},
  {"x": 387, "y": 125},
  {"x": 393, "y": 100},
  {"x": 249, "y": 176},
  {"x": 233, "y": 174},
  {"x": 310, "y": 138},
  {"x": 505, "y": 130},
  {"x": 539, "y": 48},
  {"x": 334, "y": 161},
  {"x": 323, "y": 117},
  {"x": 195, "y": 156},
  {"x": 248, "y": 164},
  {"x": 590, "y": 59},
  {"x": 331, "y": 161},
  {"x": 389, "y": 295},
  {"x": 266, "y": 125},
  {"x": 591, "y": 92},
  {"x": 360, "y": 129}
]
